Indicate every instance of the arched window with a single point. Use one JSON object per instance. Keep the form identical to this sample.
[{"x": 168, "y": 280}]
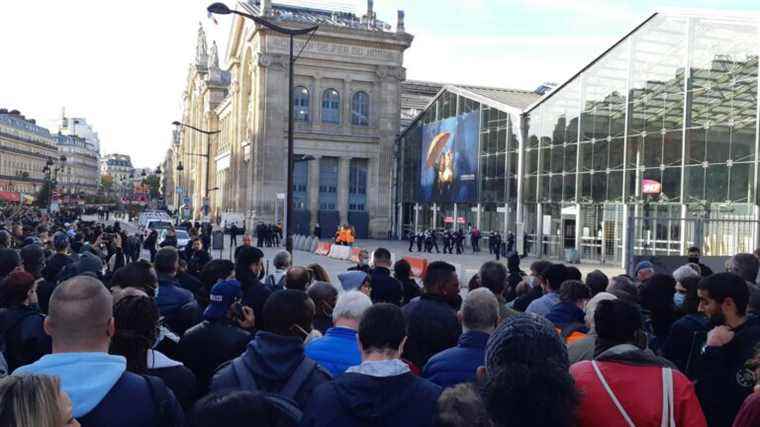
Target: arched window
[
  {"x": 360, "y": 109},
  {"x": 331, "y": 106},
  {"x": 301, "y": 104}
]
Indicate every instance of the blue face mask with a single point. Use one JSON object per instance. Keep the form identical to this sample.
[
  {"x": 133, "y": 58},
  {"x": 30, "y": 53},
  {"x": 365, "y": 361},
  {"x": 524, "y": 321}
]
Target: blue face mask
[{"x": 679, "y": 299}]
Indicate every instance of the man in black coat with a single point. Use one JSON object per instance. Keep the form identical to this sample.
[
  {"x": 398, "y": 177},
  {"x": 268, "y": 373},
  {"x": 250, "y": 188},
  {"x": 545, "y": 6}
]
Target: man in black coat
[
  {"x": 222, "y": 336},
  {"x": 380, "y": 391},
  {"x": 384, "y": 287},
  {"x": 197, "y": 258},
  {"x": 248, "y": 267},
  {"x": 724, "y": 380},
  {"x": 274, "y": 361},
  {"x": 431, "y": 319}
]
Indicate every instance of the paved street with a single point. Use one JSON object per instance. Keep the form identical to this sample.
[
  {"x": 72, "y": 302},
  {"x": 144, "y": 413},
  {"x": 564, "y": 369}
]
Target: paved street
[{"x": 468, "y": 262}]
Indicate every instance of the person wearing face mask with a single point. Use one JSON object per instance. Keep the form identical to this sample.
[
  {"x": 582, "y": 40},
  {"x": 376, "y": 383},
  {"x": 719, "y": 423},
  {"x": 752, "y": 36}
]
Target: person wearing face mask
[
  {"x": 686, "y": 329},
  {"x": 724, "y": 380},
  {"x": 568, "y": 316},
  {"x": 21, "y": 323},
  {"x": 274, "y": 360}
]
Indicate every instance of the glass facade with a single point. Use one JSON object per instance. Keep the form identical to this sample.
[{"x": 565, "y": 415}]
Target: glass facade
[
  {"x": 497, "y": 168},
  {"x": 674, "y": 104},
  {"x": 652, "y": 148}
]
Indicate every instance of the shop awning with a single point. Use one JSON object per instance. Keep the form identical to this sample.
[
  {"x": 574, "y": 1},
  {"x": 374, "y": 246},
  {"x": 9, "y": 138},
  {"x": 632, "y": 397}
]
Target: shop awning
[{"x": 9, "y": 196}]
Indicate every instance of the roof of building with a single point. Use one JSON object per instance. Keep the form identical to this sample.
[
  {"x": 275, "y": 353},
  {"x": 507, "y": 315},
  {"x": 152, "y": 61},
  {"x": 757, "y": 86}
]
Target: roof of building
[
  {"x": 316, "y": 16},
  {"x": 499, "y": 98},
  {"x": 518, "y": 98},
  {"x": 18, "y": 121},
  {"x": 415, "y": 96}
]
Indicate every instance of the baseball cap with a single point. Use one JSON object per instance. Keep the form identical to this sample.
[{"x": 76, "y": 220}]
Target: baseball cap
[
  {"x": 643, "y": 265},
  {"x": 223, "y": 295}
]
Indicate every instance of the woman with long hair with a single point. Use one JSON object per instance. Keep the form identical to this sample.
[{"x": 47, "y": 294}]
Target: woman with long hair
[
  {"x": 137, "y": 330},
  {"x": 402, "y": 271},
  {"x": 34, "y": 401}
]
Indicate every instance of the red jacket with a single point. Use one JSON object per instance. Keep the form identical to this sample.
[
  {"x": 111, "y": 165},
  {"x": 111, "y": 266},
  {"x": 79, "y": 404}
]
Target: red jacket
[{"x": 639, "y": 390}]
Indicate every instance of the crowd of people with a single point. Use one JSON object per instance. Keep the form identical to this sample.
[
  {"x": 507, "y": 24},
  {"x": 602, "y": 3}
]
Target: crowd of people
[{"x": 91, "y": 336}]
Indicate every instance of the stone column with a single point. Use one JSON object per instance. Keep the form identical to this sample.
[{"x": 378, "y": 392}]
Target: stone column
[
  {"x": 314, "y": 191},
  {"x": 343, "y": 169}
]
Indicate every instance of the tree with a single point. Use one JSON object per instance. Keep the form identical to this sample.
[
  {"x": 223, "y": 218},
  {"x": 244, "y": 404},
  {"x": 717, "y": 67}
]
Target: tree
[
  {"x": 106, "y": 182},
  {"x": 43, "y": 195},
  {"x": 154, "y": 185}
]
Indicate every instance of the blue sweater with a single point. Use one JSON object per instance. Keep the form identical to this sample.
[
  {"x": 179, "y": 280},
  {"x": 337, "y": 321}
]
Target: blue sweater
[
  {"x": 458, "y": 364},
  {"x": 337, "y": 351}
]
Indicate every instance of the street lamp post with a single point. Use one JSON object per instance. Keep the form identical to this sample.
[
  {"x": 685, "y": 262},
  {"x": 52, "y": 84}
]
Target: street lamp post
[
  {"x": 222, "y": 9},
  {"x": 208, "y": 134}
]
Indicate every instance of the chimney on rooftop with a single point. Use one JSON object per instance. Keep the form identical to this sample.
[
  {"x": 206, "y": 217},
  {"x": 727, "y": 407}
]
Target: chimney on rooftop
[
  {"x": 266, "y": 7},
  {"x": 400, "y": 22}
]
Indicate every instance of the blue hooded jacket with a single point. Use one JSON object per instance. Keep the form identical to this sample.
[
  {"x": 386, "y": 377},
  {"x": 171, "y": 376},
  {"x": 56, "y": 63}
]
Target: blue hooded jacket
[
  {"x": 102, "y": 392},
  {"x": 85, "y": 377},
  {"x": 337, "y": 351}
]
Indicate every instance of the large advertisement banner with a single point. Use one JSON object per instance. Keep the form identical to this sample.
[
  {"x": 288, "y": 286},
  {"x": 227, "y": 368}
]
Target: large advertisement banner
[{"x": 450, "y": 160}]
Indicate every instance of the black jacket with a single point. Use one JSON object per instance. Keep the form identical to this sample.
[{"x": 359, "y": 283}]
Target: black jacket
[
  {"x": 385, "y": 288},
  {"x": 169, "y": 241},
  {"x": 196, "y": 260},
  {"x": 181, "y": 381},
  {"x": 209, "y": 344},
  {"x": 522, "y": 302},
  {"x": 25, "y": 339},
  {"x": 432, "y": 327},
  {"x": 411, "y": 289},
  {"x": 189, "y": 282},
  {"x": 678, "y": 346},
  {"x": 271, "y": 360},
  {"x": 255, "y": 294},
  {"x": 55, "y": 264},
  {"x": 362, "y": 400},
  {"x": 724, "y": 380}
]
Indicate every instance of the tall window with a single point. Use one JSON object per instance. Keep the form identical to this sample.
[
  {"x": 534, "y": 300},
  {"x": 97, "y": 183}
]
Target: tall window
[
  {"x": 331, "y": 106},
  {"x": 357, "y": 185},
  {"x": 301, "y": 104},
  {"x": 301, "y": 185},
  {"x": 328, "y": 183},
  {"x": 360, "y": 109}
]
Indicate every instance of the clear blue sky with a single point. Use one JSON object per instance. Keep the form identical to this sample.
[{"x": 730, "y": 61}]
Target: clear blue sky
[{"x": 123, "y": 65}]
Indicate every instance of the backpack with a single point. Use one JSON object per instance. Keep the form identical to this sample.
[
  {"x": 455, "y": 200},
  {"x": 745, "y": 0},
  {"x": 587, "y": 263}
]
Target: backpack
[
  {"x": 159, "y": 394},
  {"x": 284, "y": 399},
  {"x": 280, "y": 285}
]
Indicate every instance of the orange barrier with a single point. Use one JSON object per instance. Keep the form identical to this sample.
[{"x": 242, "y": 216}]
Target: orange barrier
[
  {"x": 323, "y": 249},
  {"x": 355, "y": 254},
  {"x": 419, "y": 265}
]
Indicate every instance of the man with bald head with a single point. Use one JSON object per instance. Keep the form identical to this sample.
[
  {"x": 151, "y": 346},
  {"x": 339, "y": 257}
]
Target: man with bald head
[{"x": 102, "y": 391}]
